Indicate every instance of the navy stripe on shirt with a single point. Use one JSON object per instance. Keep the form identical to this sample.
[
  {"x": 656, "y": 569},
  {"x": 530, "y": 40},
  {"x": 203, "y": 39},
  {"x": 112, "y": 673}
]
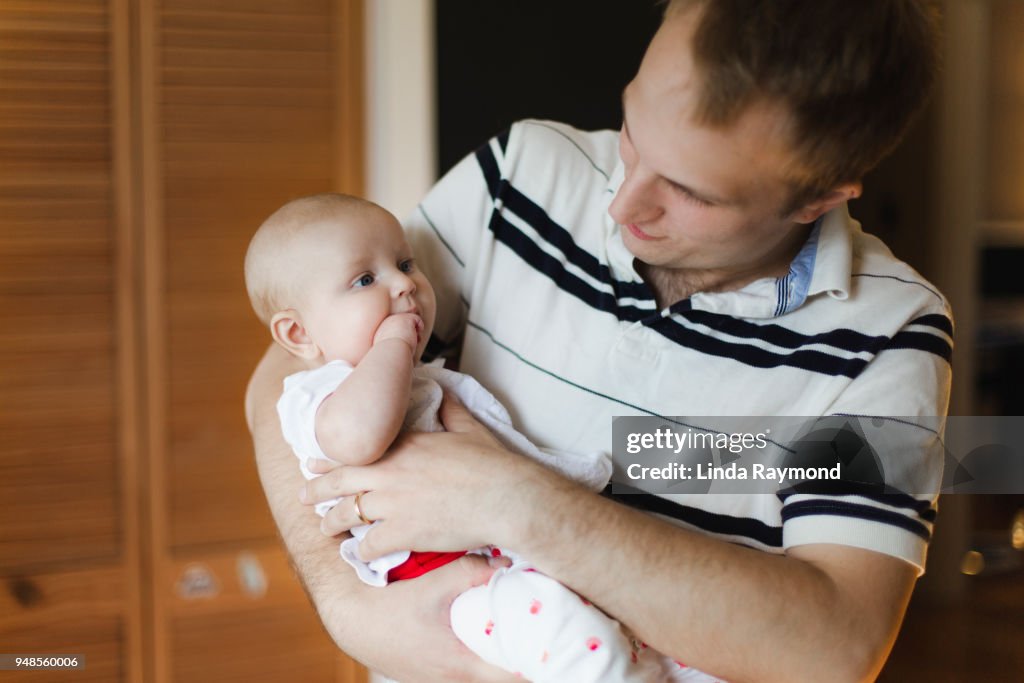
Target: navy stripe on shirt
[
  {"x": 844, "y": 340},
  {"x": 711, "y": 522},
  {"x": 922, "y": 341},
  {"x": 748, "y": 354},
  {"x": 553, "y": 233},
  {"x": 557, "y": 272},
  {"x": 925, "y": 509},
  {"x": 843, "y": 508},
  {"x": 776, "y": 335},
  {"x": 939, "y": 322}
]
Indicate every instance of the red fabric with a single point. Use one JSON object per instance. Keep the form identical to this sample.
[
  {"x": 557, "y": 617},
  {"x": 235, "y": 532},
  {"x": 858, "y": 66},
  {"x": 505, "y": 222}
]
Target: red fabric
[{"x": 419, "y": 564}]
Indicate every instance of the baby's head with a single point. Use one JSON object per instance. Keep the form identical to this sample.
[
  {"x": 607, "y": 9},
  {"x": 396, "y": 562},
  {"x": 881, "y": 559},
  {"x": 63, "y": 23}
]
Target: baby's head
[{"x": 323, "y": 272}]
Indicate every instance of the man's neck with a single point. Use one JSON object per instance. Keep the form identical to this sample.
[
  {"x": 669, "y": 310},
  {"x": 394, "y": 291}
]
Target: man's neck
[{"x": 674, "y": 284}]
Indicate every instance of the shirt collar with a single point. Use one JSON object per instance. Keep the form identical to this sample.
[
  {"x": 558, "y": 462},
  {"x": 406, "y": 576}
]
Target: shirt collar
[
  {"x": 822, "y": 266},
  {"x": 833, "y": 262}
]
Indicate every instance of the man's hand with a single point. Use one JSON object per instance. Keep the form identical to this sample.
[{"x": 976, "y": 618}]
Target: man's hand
[
  {"x": 404, "y": 326},
  {"x": 421, "y": 646},
  {"x": 443, "y": 491}
]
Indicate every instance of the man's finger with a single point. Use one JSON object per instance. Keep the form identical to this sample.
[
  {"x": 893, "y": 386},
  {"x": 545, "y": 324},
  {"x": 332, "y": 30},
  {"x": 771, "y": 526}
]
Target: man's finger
[
  {"x": 466, "y": 572},
  {"x": 346, "y": 514},
  {"x": 321, "y": 466},
  {"x": 338, "y": 483},
  {"x": 455, "y": 417},
  {"x": 376, "y": 543}
]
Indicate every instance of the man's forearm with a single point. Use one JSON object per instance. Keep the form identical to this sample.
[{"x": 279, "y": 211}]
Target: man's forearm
[
  {"x": 364, "y": 621},
  {"x": 315, "y": 556},
  {"x": 743, "y": 614},
  {"x": 821, "y": 612}
]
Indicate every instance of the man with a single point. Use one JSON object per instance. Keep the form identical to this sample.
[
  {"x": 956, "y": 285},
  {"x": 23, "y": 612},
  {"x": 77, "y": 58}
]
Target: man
[{"x": 701, "y": 263}]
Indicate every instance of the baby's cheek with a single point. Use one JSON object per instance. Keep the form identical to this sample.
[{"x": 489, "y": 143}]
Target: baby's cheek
[{"x": 354, "y": 334}]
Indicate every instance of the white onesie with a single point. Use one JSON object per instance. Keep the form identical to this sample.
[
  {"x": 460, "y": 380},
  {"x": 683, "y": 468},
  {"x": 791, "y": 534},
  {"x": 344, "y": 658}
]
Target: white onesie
[{"x": 521, "y": 620}]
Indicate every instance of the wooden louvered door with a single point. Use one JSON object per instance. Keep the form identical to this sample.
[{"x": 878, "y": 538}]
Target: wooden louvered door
[
  {"x": 245, "y": 105},
  {"x": 69, "y": 456},
  {"x": 141, "y": 143}
]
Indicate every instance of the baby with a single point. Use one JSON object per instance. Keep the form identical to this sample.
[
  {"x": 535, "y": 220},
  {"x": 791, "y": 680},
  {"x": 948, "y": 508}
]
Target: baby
[{"x": 336, "y": 282}]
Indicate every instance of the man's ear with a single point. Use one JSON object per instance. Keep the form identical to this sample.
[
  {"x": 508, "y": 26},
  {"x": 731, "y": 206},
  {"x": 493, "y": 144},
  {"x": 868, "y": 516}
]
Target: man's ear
[
  {"x": 810, "y": 212},
  {"x": 288, "y": 331}
]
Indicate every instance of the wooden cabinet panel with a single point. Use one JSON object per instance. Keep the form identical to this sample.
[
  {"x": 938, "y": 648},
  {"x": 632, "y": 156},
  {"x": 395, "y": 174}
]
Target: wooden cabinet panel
[
  {"x": 69, "y": 580},
  {"x": 57, "y": 291},
  {"x": 294, "y": 648},
  {"x": 76, "y": 612},
  {"x": 235, "y": 140},
  {"x": 256, "y": 600},
  {"x": 141, "y": 143},
  {"x": 249, "y": 106},
  {"x": 97, "y": 637}
]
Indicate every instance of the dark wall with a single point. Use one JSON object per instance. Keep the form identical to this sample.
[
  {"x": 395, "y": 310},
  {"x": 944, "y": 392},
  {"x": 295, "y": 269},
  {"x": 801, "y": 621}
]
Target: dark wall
[{"x": 502, "y": 60}]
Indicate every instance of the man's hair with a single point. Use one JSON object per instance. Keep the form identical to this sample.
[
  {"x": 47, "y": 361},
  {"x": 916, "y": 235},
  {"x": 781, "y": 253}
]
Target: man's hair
[
  {"x": 853, "y": 74},
  {"x": 271, "y": 268}
]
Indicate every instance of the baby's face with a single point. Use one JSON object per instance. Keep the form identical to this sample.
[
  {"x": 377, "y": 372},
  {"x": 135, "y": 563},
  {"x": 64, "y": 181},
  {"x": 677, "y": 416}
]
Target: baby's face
[{"x": 358, "y": 270}]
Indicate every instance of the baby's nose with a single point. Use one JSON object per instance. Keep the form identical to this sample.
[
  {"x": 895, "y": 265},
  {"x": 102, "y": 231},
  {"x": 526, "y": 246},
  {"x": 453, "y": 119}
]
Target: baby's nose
[{"x": 404, "y": 285}]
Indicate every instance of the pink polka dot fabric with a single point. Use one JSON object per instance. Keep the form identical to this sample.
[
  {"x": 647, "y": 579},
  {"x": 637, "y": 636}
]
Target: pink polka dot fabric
[{"x": 529, "y": 624}]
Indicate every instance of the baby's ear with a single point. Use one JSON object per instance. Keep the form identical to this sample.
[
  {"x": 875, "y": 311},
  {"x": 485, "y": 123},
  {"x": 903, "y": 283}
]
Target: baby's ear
[{"x": 288, "y": 331}]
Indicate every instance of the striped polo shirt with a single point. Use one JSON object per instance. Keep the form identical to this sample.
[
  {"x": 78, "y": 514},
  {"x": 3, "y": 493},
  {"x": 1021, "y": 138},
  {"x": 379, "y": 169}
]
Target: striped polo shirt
[{"x": 534, "y": 282}]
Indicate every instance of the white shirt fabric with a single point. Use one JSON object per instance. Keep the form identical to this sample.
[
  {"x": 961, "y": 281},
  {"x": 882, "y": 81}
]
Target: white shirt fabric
[
  {"x": 535, "y": 285},
  {"x": 541, "y": 298}
]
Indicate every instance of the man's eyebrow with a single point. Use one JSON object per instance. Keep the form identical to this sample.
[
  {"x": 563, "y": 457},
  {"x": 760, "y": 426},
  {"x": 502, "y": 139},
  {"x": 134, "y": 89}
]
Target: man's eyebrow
[{"x": 685, "y": 188}]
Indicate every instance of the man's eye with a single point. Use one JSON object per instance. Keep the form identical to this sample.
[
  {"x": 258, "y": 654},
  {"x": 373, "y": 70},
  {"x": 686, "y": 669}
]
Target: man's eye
[
  {"x": 407, "y": 266},
  {"x": 364, "y": 281},
  {"x": 689, "y": 196}
]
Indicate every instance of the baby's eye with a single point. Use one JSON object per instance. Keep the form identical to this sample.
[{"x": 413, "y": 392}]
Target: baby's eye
[
  {"x": 363, "y": 281},
  {"x": 407, "y": 266}
]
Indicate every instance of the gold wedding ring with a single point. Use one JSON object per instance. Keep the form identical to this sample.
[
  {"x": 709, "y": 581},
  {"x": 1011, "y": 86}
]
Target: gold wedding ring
[{"x": 359, "y": 510}]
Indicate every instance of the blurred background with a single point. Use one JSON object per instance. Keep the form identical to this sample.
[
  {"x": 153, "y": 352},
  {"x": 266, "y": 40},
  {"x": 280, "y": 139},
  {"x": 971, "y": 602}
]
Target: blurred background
[{"x": 142, "y": 142}]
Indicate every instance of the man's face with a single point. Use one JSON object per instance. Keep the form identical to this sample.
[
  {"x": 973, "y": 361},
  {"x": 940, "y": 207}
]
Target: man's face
[{"x": 696, "y": 197}]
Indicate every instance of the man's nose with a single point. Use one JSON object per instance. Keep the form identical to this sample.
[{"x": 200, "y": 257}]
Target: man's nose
[{"x": 636, "y": 201}]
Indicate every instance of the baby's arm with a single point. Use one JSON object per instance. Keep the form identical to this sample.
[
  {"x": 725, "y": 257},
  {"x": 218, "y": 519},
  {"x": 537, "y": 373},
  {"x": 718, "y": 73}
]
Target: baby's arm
[{"x": 356, "y": 424}]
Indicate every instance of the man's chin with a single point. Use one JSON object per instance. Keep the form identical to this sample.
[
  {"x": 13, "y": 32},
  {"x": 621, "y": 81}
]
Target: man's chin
[{"x": 654, "y": 257}]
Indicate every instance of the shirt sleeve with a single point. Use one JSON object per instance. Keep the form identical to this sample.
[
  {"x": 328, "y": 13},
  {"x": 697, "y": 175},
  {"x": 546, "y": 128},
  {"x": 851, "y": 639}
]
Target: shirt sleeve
[{"x": 898, "y": 404}]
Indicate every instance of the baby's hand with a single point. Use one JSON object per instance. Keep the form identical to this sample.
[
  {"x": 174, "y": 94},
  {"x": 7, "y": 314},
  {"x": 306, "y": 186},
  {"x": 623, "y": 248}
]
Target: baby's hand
[{"x": 404, "y": 326}]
